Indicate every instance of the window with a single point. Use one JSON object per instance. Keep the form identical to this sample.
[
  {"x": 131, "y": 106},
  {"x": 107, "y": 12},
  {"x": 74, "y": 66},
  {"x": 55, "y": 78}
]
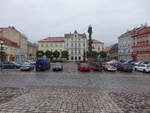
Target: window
[
  {"x": 79, "y": 58},
  {"x": 42, "y": 45},
  {"x": 71, "y": 51},
  {"x": 71, "y": 57},
  {"x": 75, "y": 36},
  {"x": 75, "y": 51},
  {"x": 84, "y": 45},
  {"x": 75, "y": 57},
  {"x": 75, "y": 44},
  {"x": 79, "y": 51}
]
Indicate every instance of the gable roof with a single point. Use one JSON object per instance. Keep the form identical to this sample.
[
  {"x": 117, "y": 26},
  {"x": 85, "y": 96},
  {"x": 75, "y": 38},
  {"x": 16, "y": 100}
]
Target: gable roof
[
  {"x": 52, "y": 39},
  {"x": 75, "y": 32},
  {"x": 107, "y": 49},
  {"x": 96, "y": 41},
  {"x": 8, "y": 42}
]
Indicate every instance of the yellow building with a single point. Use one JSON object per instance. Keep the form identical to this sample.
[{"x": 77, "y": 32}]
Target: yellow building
[
  {"x": 97, "y": 46},
  {"x": 8, "y": 49},
  {"x": 52, "y": 44},
  {"x": 12, "y": 34}
]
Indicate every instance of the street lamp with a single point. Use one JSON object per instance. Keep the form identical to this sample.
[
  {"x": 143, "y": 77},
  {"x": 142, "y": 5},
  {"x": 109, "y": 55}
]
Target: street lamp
[{"x": 1, "y": 42}]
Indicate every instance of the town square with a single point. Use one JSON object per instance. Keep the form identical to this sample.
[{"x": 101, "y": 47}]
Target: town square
[{"x": 74, "y": 56}]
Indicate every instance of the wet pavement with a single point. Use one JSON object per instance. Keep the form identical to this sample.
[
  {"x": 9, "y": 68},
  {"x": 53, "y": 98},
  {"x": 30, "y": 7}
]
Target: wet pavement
[{"x": 71, "y": 91}]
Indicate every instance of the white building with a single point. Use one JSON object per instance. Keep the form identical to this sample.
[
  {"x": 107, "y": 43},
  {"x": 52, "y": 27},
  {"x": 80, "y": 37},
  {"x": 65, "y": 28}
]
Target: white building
[
  {"x": 125, "y": 43},
  {"x": 76, "y": 45}
]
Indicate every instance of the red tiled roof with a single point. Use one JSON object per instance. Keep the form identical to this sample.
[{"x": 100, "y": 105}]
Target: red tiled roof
[
  {"x": 107, "y": 49},
  {"x": 135, "y": 31},
  {"x": 53, "y": 39}
]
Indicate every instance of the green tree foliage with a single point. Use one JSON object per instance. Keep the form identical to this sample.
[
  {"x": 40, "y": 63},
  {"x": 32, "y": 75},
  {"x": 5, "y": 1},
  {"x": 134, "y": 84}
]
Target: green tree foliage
[
  {"x": 65, "y": 54},
  {"x": 49, "y": 54},
  {"x": 103, "y": 54},
  {"x": 39, "y": 54},
  {"x": 56, "y": 54},
  {"x": 94, "y": 54}
]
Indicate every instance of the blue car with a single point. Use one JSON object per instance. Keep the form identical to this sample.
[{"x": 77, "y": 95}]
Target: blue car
[{"x": 42, "y": 65}]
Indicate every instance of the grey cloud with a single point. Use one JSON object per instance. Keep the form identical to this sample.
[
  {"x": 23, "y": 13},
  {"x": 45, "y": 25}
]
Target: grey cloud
[{"x": 41, "y": 18}]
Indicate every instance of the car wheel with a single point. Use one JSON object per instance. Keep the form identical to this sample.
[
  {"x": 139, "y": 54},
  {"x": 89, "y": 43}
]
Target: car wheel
[
  {"x": 145, "y": 71},
  {"x": 37, "y": 69}
]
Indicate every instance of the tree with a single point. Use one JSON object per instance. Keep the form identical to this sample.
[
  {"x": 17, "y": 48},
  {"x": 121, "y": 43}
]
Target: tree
[
  {"x": 56, "y": 54},
  {"x": 39, "y": 54},
  {"x": 2, "y": 55},
  {"x": 94, "y": 54},
  {"x": 103, "y": 54},
  {"x": 49, "y": 54},
  {"x": 65, "y": 54}
]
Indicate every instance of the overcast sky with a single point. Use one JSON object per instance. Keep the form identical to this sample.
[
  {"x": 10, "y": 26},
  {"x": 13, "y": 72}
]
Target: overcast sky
[{"x": 38, "y": 19}]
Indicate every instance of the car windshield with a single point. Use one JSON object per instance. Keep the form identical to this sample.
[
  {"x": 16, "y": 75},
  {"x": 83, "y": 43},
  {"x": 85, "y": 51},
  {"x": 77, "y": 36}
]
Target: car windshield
[
  {"x": 26, "y": 64},
  {"x": 142, "y": 65},
  {"x": 56, "y": 64},
  {"x": 84, "y": 64}
]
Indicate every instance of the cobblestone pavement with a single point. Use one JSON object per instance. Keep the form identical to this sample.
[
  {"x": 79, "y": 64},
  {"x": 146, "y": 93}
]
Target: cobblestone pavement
[
  {"x": 71, "y": 91},
  {"x": 8, "y": 93},
  {"x": 61, "y": 101},
  {"x": 132, "y": 102}
]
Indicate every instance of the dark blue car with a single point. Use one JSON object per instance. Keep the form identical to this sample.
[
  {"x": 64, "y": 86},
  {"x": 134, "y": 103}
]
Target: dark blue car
[{"x": 42, "y": 65}]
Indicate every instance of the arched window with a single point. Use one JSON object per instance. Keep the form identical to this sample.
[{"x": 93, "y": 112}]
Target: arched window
[{"x": 71, "y": 57}]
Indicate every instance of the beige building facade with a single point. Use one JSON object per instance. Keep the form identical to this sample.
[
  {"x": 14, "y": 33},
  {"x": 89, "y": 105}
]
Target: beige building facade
[
  {"x": 97, "y": 45},
  {"x": 32, "y": 49},
  {"x": 14, "y": 35}
]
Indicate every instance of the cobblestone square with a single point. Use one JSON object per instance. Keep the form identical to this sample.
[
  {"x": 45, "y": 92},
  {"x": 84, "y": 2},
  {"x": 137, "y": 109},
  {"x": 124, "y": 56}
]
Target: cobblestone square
[
  {"x": 71, "y": 91},
  {"x": 61, "y": 101}
]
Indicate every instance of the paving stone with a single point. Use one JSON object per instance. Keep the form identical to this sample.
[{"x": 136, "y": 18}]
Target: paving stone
[{"x": 39, "y": 100}]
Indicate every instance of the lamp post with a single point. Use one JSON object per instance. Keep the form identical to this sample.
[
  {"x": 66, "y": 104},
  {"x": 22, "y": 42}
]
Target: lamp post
[{"x": 1, "y": 43}]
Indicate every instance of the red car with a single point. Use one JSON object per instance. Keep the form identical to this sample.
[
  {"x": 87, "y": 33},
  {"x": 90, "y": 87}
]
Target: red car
[
  {"x": 84, "y": 67},
  {"x": 108, "y": 67}
]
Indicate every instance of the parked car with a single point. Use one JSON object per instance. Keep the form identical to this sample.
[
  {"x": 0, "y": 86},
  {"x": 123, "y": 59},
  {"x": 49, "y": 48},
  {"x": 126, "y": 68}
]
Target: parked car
[
  {"x": 10, "y": 65},
  {"x": 57, "y": 67},
  {"x": 19, "y": 63},
  {"x": 136, "y": 64},
  {"x": 32, "y": 62},
  {"x": 96, "y": 67},
  {"x": 27, "y": 67},
  {"x": 42, "y": 65},
  {"x": 125, "y": 67},
  {"x": 109, "y": 67},
  {"x": 143, "y": 67},
  {"x": 84, "y": 67}
]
